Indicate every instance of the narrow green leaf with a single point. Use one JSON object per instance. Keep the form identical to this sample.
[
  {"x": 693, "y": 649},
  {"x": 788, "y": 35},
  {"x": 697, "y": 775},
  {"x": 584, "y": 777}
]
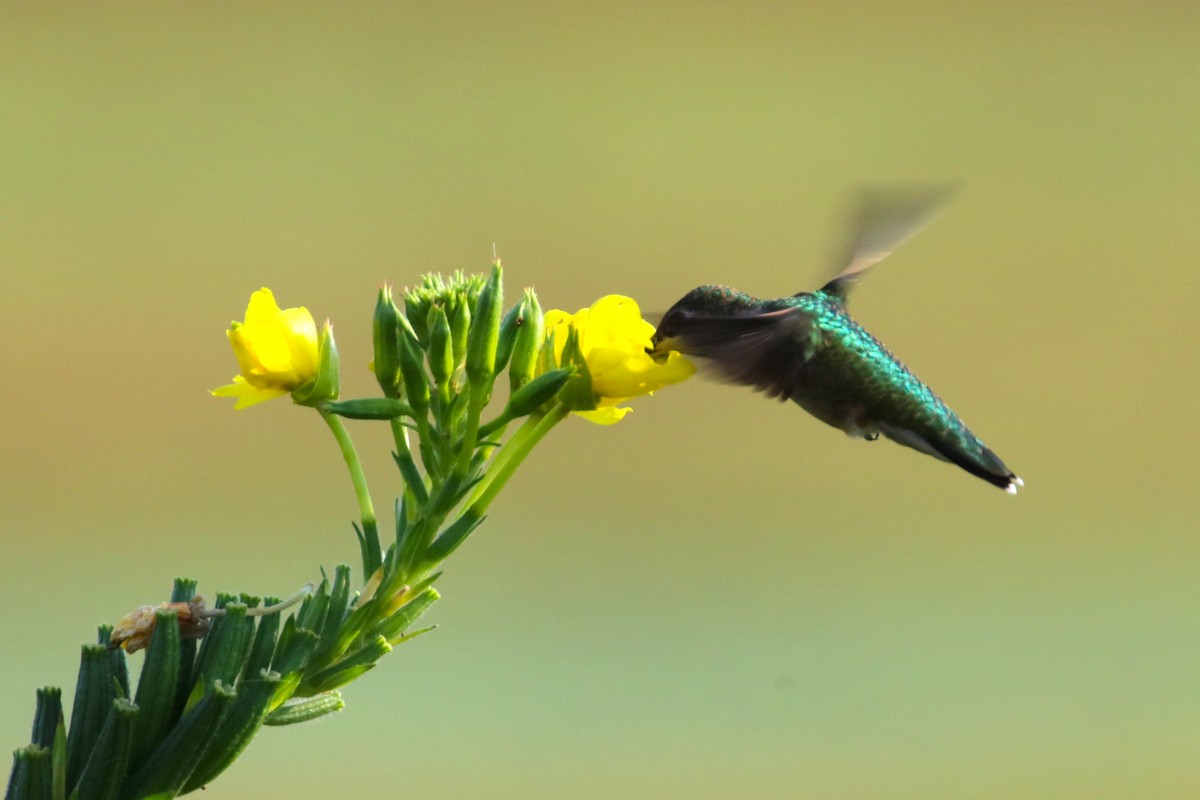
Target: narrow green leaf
[
  {"x": 400, "y": 510},
  {"x": 339, "y": 602},
  {"x": 172, "y": 763},
  {"x": 452, "y": 537},
  {"x": 349, "y": 631},
  {"x": 399, "y": 640},
  {"x": 263, "y": 647},
  {"x": 225, "y": 646},
  {"x": 117, "y": 669},
  {"x": 183, "y": 591},
  {"x": 297, "y": 711},
  {"x": 312, "y": 610},
  {"x": 94, "y": 693},
  {"x": 413, "y": 544},
  {"x": 48, "y": 716},
  {"x": 58, "y": 762},
  {"x": 204, "y": 656},
  {"x": 284, "y": 641},
  {"x": 105, "y": 770},
  {"x": 30, "y": 778},
  {"x": 295, "y": 656},
  {"x": 157, "y": 684},
  {"x": 239, "y": 725},
  {"x": 337, "y": 679},
  {"x": 407, "y": 614},
  {"x": 412, "y": 478},
  {"x": 347, "y": 669}
]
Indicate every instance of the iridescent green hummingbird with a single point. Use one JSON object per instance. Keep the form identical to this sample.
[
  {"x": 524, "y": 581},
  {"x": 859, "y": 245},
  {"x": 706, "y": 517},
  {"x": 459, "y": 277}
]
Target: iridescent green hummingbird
[{"x": 808, "y": 349}]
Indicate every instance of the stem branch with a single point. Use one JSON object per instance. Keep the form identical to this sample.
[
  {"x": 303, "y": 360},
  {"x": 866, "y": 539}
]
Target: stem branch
[{"x": 371, "y": 554}]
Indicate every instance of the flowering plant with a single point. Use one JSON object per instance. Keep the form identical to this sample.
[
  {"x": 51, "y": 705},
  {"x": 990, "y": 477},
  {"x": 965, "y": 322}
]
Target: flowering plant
[{"x": 212, "y": 678}]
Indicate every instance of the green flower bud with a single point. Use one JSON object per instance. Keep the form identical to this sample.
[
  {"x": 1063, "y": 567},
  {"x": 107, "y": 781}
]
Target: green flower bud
[
  {"x": 577, "y": 395},
  {"x": 484, "y": 335},
  {"x": 369, "y": 408},
  {"x": 459, "y": 313},
  {"x": 416, "y": 383},
  {"x": 441, "y": 350},
  {"x": 325, "y": 386},
  {"x": 537, "y": 392},
  {"x": 416, "y": 309},
  {"x": 383, "y": 329},
  {"x": 531, "y": 331},
  {"x": 508, "y": 336}
]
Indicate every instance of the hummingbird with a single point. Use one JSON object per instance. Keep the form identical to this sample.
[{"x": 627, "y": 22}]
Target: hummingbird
[{"x": 808, "y": 349}]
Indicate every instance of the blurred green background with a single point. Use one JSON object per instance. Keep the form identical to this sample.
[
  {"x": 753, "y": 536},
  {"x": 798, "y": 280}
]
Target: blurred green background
[{"x": 719, "y": 597}]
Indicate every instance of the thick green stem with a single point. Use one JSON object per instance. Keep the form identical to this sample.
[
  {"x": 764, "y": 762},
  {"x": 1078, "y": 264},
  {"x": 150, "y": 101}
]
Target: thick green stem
[
  {"x": 495, "y": 426},
  {"x": 371, "y": 555},
  {"x": 512, "y": 454},
  {"x": 471, "y": 435}
]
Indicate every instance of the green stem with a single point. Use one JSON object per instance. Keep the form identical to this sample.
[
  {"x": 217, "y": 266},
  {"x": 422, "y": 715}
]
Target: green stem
[
  {"x": 512, "y": 454},
  {"x": 471, "y": 436},
  {"x": 496, "y": 425},
  {"x": 408, "y": 468},
  {"x": 371, "y": 555},
  {"x": 425, "y": 444}
]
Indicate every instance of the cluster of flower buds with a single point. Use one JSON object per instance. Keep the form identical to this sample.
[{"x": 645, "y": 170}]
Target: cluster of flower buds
[
  {"x": 437, "y": 363},
  {"x": 449, "y": 347}
]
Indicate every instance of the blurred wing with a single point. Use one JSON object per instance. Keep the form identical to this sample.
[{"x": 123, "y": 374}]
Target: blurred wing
[
  {"x": 763, "y": 350},
  {"x": 883, "y": 220}
]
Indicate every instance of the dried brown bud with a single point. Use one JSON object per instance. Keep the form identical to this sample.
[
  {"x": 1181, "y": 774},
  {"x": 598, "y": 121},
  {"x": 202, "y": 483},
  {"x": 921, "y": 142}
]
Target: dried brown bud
[{"x": 135, "y": 630}]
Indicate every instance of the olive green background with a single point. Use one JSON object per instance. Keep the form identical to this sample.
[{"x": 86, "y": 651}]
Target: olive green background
[{"x": 720, "y": 597}]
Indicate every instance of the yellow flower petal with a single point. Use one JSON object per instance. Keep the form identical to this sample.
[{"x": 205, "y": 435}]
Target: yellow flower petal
[
  {"x": 246, "y": 393},
  {"x": 613, "y": 339},
  {"x": 605, "y": 416},
  {"x": 276, "y": 350}
]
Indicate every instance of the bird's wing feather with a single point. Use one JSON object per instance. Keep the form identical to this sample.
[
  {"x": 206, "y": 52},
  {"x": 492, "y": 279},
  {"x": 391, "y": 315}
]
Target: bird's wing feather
[
  {"x": 758, "y": 349},
  {"x": 883, "y": 220}
]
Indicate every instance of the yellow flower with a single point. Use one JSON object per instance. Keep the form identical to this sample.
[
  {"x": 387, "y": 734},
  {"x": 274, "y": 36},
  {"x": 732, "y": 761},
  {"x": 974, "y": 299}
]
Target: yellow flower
[
  {"x": 276, "y": 349},
  {"x": 613, "y": 339}
]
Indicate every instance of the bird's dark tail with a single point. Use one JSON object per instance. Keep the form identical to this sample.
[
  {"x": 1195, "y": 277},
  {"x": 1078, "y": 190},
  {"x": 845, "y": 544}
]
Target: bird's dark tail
[
  {"x": 986, "y": 465},
  {"x": 976, "y": 458}
]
